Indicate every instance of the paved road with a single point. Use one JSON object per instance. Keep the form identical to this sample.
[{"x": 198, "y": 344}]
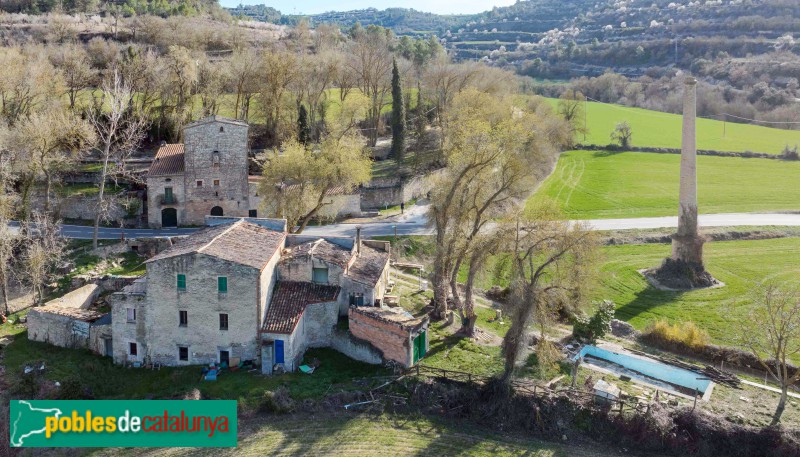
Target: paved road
[{"x": 414, "y": 223}]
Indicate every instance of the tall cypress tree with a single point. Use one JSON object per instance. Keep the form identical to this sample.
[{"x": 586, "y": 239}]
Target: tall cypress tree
[
  {"x": 398, "y": 116},
  {"x": 303, "y": 132}
]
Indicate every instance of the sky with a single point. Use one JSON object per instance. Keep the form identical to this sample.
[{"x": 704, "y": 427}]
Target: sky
[{"x": 321, "y": 6}]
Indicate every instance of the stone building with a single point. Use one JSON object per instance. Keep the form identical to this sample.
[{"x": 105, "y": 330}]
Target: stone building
[
  {"x": 399, "y": 336},
  {"x": 71, "y": 322},
  {"x": 206, "y": 175},
  {"x": 246, "y": 290}
]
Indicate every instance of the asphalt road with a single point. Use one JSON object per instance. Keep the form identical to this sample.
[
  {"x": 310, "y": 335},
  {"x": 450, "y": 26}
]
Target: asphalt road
[{"x": 414, "y": 223}]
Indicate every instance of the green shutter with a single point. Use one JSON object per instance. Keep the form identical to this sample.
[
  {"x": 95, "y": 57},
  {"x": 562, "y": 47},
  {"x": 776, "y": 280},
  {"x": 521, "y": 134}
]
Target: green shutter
[
  {"x": 181, "y": 282},
  {"x": 222, "y": 284}
]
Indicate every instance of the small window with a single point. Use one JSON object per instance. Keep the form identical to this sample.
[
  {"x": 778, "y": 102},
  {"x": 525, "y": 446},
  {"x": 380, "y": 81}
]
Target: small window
[
  {"x": 168, "y": 197},
  {"x": 183, "y": 318},
  {"x": 252, "y": 213},
  {"x": 181, "y": 282},
  {"x": 183, "y": 353},
  {"x": 131, "y": 314},
  {"x": 199, "y": 183},
  {"x": 319, "y": 275},
  {"x": 216, "y": 183},
  {"x": 222, "y": 130},
  {"x": 222, "y": 285},
  {"x": 132, "y": 349},
  {"x": 223, "y": 322}
]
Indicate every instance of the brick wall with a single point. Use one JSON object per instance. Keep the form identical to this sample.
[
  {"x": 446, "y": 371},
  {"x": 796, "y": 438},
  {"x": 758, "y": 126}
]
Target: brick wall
[{"x": 391, "y": 340}]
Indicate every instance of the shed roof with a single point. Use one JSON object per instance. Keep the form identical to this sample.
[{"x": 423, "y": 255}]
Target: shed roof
[
  {"x": 289, "y": 301},
  {"x": 320, "y": 249},
  {"x": 169, "y": 160},
  {"x": 368, "y": 265},
  {"x": 239, "y": 242},
  {"x": 398, "y": 317},
  {"x": 216, "y": 118}
]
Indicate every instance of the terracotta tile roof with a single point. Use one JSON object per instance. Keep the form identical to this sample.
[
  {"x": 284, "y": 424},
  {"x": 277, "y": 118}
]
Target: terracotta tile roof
[
  {"x": 320, "y": 249},
  {"x": 289, "y": 301},
  {"x": 168, "y": 161},
  {"x": 398, "y": 317},
  {"x": 368, "y": 265},
  {"x": 239, "y": 242}
]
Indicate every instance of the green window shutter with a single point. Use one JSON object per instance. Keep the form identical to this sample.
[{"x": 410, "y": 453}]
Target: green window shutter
[
  {"x": 222, "y": 284},
  {"x": 319, "y": 275},
  {"x": 181, "y": 282}
]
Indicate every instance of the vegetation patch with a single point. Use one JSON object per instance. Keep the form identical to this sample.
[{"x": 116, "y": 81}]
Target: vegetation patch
[{"x": 600, "y": 185}]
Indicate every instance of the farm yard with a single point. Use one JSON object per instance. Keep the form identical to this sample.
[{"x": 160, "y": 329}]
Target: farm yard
[{"x": 601, "y": 185}]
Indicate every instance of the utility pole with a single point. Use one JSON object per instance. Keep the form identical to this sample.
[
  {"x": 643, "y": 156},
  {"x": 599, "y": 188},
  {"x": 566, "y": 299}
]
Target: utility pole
[
  {"x": 676, "y": 50},
  {"x": 585, "y": 122}
]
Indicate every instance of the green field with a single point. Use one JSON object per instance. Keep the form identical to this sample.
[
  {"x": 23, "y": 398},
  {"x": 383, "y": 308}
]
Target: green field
[
  {"x": 739, "y": 264},
  {"x": 597, "y": 185},
  {"x": 657, "y": 129}
]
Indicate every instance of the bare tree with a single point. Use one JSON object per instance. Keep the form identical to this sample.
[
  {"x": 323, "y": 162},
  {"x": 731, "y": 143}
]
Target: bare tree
[
  {"x": 44, "y": 249},
  {"x": 119, "y": 128},
  {"x": 242, "y": 73},
  {"x": 277, "y": 71},
  {"x": 72, "y": 61},
  {"x": 9, "y": 239},
  {"x": 371, "y": 61},
  {"x": 552, "y": 263},
  {"x": 49, "y": 142},
  {"x": 571, "y": 108},
  {"x": 772, "y": 329}
]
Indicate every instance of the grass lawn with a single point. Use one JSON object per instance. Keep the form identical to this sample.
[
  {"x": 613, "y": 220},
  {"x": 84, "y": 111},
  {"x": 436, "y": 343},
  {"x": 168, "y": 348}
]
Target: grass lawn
[
  {"x": 657, "y": 129},
  {"x": 597, "y": 185},
  {"x": 109, "y": 381},
  {"x": 366, "y": 434},
  {"x": 739, "y": 264}
]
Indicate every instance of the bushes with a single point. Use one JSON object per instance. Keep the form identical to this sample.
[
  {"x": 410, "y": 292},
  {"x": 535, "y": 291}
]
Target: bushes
[
  {"x": 594, "y": 327},
  {"x": 278, "y": 401},
  {"x": 684, "y": 333}
]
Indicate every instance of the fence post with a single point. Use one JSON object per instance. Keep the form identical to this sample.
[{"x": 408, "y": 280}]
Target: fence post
[
  {"x": 417, "y": 369},
  {"x": 621, "y": 405},
  {"x": 534, "y": 390}
]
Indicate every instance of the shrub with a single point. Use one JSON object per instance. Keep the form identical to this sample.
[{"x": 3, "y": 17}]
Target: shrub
[
  {"x": 686, "y": 333},
  {"x": 278, "y": 401},
  {"x": 594, "y": 327},
  {"x": 790, "y": 153}
]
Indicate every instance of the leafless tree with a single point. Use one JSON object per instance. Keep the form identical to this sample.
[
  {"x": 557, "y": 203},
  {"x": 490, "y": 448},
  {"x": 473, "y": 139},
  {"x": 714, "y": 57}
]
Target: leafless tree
[
  {"x": 43, "y": 251},
  {"x": 72, "y": 61},
  {"x": 9, "y": 238},
  {"x": 772, "y": 329},
  {"x": 119, "y": 128},
  {"x": 552, "y": 262},
  {"x": 371, "y": 60}
]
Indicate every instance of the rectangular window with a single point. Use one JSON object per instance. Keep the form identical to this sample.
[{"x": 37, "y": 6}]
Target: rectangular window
[
  {"x": 132, "y": 349},
  {"x": 223, "y": 322},
  {"x": 183, "y": 318},
  {"x": 252, "y": 213},
  {"x": 216, "y": 183},
  {"x": 131, "y": 314},
  {"x": 222, "y": 285},
  {"x": 168, "y": 197},
  {"x": 319, "y": 275},
  {"x": 183, "y": 353},
  {"x": 199, "y": 183},
  {"x": 181, "y": 282}
]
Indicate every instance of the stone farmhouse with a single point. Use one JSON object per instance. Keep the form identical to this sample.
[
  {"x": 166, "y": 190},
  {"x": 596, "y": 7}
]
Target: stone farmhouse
[
  {"x": 208, "y": 175},
  {"x": 245, "y": 289}
]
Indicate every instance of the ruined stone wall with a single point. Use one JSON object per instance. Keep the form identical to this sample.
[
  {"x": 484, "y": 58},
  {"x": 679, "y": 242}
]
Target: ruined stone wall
[
  {"x": 57, "y": 330},
  {"x": 362, "y": 351},
  {"x": 125, "y": 331},
  {"x": 203, "y": 304},
  {"x": 383, "y": 193},
  {"x": 336, "y": 206},
  {"x": 391, "y": 340},
  {"x": 216, "y": 151}
]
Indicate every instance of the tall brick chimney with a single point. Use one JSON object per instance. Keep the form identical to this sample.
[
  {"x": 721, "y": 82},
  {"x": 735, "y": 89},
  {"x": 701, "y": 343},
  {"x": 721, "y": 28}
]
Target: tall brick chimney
[{"x": 687, "y": 245}]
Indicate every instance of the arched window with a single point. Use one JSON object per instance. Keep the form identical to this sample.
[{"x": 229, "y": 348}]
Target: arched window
[{"x": 222, "y": 129}]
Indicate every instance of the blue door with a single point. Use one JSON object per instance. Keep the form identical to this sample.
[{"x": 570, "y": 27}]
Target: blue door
[{"x": 278, "y": 351}]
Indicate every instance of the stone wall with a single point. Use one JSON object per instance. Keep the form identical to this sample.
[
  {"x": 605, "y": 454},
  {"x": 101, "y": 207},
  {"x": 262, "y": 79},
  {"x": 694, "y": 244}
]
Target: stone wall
[
  {"x": 203, "y": 303},
  {"x": 79, "y": 207},
  {"x": 335, "y": 206},
  {"x": 386, "y": 192},
  {"x": 391, "y": 340},
  {"x": 57, "y": 329},
  {"x": 156, "y": 203}
]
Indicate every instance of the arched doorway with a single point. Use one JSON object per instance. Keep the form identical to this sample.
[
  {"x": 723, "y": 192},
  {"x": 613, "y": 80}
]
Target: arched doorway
[
  {"x": 216, "y": 211},
  {"x": 169, "y": 217}
]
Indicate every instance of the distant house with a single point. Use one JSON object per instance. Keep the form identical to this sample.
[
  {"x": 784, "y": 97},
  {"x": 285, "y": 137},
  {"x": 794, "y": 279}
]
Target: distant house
[
  {"x": 208, "y": 175},
  {"x": 246, "y": 290}
]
